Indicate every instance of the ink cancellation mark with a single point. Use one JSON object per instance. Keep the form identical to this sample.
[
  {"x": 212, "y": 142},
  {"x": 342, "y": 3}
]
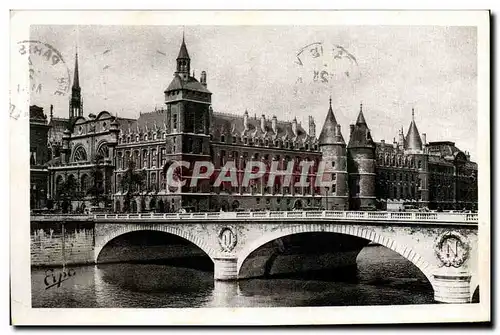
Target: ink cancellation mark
[
  {"x": 320, "y": 63},
  {"x": 47, "y": 73}
]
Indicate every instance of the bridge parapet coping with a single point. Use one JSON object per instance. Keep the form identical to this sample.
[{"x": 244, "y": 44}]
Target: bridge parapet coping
[{"x": 470, "y": 218}]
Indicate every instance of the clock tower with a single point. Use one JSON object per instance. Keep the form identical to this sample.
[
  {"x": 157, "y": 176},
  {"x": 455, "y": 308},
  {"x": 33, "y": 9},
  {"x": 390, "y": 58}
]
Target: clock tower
[{"x": 187, "y": 121}]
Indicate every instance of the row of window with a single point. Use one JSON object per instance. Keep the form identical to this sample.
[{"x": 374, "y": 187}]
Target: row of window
[
  {"x": 398, "y": 161},
  {"x": 282, "y": 144}
]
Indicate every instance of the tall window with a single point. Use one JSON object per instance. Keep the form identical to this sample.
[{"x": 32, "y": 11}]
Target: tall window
[
  {"x": 174, "y": 121},
  {"x": 145, "y": 159},
  {"x": 163, "y": 154},
  {"x": 153, "y": 158}
]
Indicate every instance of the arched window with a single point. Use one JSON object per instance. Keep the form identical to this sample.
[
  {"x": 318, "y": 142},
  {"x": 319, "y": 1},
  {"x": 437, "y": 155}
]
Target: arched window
[
  {"x": 80, "y": 155},
  {"x": 145, "y": 159},
  {"x": 103, "y": 151}
]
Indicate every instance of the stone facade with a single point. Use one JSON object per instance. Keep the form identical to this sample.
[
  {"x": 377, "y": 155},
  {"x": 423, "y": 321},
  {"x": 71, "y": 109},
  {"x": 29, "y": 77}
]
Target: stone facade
[{"x": 62, "y": 243}]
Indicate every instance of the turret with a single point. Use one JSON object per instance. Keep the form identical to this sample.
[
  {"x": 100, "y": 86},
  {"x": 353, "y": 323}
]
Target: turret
[
  {"x": 413, "y": 146},
  {"x": 333, "y": 148},
  {"x": 183, "y": 61},
  {"x": 361, "y": 165}
]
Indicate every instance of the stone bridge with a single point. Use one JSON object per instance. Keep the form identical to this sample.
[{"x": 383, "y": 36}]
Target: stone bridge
[{"x": 442, "y": 245}]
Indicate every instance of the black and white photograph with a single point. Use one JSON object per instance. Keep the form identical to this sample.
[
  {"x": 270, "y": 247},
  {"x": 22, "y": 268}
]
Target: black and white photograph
[{"x": 184, "y": 165}]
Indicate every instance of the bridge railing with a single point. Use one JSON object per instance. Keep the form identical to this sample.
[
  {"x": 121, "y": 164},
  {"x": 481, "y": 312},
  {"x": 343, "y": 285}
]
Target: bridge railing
[{"x": 341, "y": 215}]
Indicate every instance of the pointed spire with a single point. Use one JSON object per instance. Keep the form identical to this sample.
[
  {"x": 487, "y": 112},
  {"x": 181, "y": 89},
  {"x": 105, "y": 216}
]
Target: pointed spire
[
  {"x": 361, "y": 118},
  {"x": 413, "y": 140},
  {"x": 328, "y": 134},
  {"x": 183, "y": 53},
  {"x": 360, "y": 134},
  {"x": 76, "y": 77},
  {"x": 76, "y": 101}
]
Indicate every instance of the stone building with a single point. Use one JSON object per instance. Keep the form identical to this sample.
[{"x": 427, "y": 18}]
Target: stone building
[
  {"x": 101, "y": 154},
  {"x": 38, "y": 157}
]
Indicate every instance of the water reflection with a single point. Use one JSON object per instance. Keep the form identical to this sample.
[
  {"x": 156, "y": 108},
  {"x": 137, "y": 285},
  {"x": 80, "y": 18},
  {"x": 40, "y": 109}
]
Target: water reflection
[{"x": 383, "y": 277}]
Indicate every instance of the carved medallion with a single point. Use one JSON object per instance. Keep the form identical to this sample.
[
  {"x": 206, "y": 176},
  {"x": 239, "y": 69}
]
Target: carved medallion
[
  {"x": 452, "y": 249},
  {"x": 227, "y": 239}
]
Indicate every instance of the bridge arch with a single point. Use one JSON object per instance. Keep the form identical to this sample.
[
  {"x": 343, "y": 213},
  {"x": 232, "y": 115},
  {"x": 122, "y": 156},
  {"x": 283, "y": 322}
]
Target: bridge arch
[
  {"x": 366, "y": 233},
  {"x": 128, "y": 228}
]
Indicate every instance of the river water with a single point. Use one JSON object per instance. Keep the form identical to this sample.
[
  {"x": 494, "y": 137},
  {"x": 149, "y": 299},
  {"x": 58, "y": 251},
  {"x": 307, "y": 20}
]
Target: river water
[{"x": 383, "y": 278}]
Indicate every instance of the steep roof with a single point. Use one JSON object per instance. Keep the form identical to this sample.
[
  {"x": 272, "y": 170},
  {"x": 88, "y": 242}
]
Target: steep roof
[
  {"x": 234, "y": 124},
  {"x": 183, "y": 53},
  {"x": 190, "y": 84},
  {"x": 328, "y": 133},
  {"x": 360, "y": 134},
  {"x": 413, "y": 140}
]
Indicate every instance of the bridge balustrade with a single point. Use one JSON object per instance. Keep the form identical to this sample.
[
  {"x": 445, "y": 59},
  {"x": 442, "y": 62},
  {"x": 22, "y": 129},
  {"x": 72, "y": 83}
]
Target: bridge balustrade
[
  {"x": 314, "y": 214},
  {"x": 378, "y": 215},
  {"x": 342, "y": 215}
]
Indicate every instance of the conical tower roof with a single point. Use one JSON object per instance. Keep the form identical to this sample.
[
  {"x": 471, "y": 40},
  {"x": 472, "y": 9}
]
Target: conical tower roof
[
  {"x": 183, "y": 52},
  {"x": 328, "y": 134},
  {"x": 361, "y": 118},
  {"x": 413, "y": 140},
  {"x": 360, "y": 134}
]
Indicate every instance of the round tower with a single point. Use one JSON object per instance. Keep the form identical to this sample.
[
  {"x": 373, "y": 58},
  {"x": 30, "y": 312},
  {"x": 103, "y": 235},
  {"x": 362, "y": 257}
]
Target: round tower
[
  {"x": 361, "y": 166},
  {"x": 415, "y": 148},
  {"x": 334, "y": 160}
]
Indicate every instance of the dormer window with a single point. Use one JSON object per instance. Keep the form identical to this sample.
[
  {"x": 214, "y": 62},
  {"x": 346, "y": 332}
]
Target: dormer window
[
  {"x": 223, "y": 139},
  {"x": 246, "y": 140},
  {"x": 154, "y": 136},
  {"x": 145, "y": 137},
  {"x": 137, "y": 138},
  {"x": 267, "y": 142}
]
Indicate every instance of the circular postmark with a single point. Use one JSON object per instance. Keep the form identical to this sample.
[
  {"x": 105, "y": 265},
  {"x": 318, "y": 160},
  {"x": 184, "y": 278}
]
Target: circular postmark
[
  {"x": 37, "y": 68},
  {"x": 227, "y": 239},
  {"x": 452, "y": 249},
  {"x": 320, "y": 64}
]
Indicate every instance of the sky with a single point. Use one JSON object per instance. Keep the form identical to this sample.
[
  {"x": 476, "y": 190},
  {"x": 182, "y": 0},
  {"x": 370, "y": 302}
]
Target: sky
[{"x": 287, "y": 71}]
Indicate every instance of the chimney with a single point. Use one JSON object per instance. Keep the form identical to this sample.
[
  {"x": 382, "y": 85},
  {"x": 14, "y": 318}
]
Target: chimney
[
  {"x": 51, "y": 111},
  {"x": 294, "y": 126},
  {"x": 274, "y": 124},
  {"x": 312, "y": 127},
  {"x": 263, "y": 123},
  {"x": 424, "y": 139},
  {"x": 401, "y": 142},
  {"x": 245, "y": 119},
  {"x": 394, "y": 143},
  {"x": 382, "y": 143},
  {"x": 203, "y": 78}
]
